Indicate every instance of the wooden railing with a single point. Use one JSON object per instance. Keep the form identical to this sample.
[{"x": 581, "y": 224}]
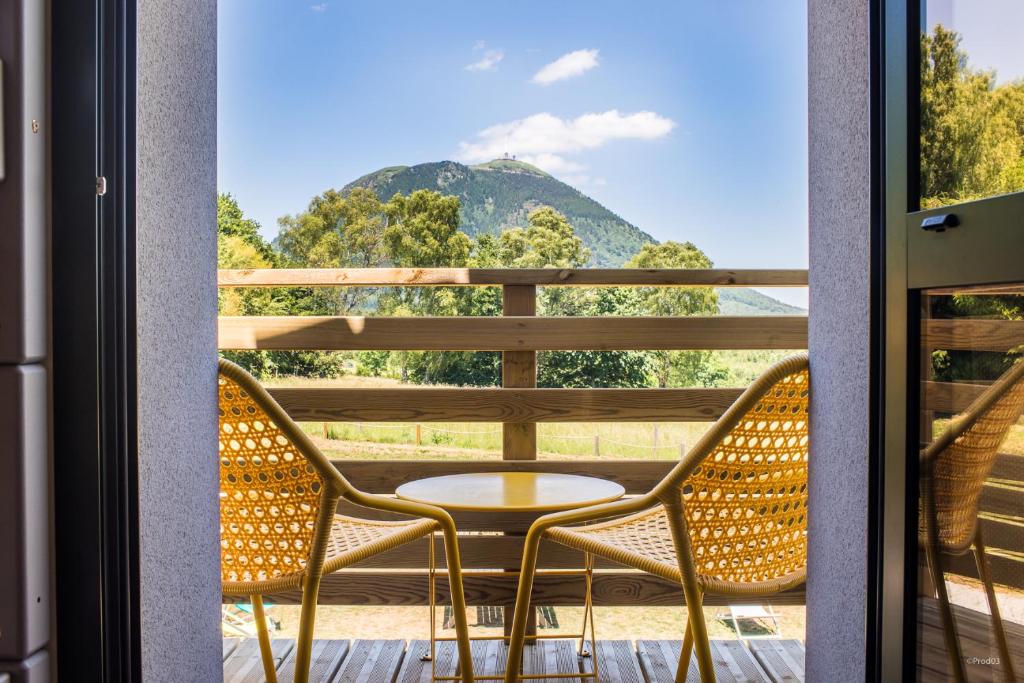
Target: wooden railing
[{"x": 398, "y": 577}]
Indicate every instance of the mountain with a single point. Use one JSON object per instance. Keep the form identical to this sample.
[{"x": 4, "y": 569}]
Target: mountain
[{"x": 501, "y": 193}]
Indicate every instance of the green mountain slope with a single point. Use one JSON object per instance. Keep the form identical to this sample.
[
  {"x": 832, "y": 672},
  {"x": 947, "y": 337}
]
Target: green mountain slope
[{"x": 500, "y": 194}]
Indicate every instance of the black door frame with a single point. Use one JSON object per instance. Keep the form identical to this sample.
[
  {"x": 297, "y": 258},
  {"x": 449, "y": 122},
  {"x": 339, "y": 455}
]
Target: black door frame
[
  {"x": 93, "y": 329},
  {"x": 910, "y": 259}
]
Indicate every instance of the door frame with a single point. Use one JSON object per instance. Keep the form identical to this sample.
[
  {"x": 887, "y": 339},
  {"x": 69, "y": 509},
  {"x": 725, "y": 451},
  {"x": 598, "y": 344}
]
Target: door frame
[
  {"x": 95, "y": 473},
  {"x": 911, "y": 259}
]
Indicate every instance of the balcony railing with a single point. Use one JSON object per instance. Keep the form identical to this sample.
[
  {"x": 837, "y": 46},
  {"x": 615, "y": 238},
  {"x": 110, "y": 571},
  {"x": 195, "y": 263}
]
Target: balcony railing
[{"x": 398, "y": 577}]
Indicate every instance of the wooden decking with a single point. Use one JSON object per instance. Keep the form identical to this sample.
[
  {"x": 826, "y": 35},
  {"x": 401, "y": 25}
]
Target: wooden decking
[{"x": 619, "y": 661}]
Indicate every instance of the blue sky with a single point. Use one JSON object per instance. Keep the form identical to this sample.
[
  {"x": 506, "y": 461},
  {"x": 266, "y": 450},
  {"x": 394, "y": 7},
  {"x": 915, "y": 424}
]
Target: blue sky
[{"x": 688, "y": 119}]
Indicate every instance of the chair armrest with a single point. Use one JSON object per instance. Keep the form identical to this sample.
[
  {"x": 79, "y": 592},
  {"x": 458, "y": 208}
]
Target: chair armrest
[
  {"x": 406, "y": 507},
  {"x": 595, "y": 512}
]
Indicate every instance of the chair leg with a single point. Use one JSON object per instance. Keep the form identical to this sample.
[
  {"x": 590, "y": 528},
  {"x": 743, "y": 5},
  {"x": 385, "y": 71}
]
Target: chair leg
[
  {"x": 451, "y": 549},
  {"x": 956, "y": 659},
  {"x": 307, "y": 620},
  {"x": 684, "y": 655},
  {"x": 269, "y": 669},
  {"x": 997, "y": 621},
  {"x": 698, "y": 631},
  {"x": 517, "y": 638}
]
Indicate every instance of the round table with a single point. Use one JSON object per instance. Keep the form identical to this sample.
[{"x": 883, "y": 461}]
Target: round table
[
  {"x": 530, "y": 493},
  {"x": 537, "y": 492}
]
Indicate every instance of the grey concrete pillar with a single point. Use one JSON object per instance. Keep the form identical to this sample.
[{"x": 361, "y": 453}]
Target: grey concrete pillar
[
  {"x": 177, "y": 339},
  {"x": 840, "y": 214}
]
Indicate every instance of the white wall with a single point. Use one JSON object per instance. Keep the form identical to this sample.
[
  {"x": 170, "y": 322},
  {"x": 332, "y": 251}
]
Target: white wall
[
  {"x": 840, "y": 212},
  {"x": 177, "y": 340}
]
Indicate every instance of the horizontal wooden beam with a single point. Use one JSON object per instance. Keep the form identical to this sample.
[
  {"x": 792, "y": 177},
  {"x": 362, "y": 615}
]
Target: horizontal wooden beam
[
  {"x": 504, "y": 405},
  {"x": 950, "y": 397},
  {"x": 972, "y": 335},
  {"x": 512, "y": 333},
  {"x": 482, "y": 551},
  {"x": 384, "y": 476},
  {"x": 547, "y": 277},
  {"x": 410, "y": 588}
]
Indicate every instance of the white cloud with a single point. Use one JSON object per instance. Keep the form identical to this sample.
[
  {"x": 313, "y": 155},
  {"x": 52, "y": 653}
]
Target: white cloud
[
  {"x": 488, "y": 62},
  {"x": 320, "y": 7},
  {"x": 567, "y": 66},
  {"x": 544, "y": 139}
]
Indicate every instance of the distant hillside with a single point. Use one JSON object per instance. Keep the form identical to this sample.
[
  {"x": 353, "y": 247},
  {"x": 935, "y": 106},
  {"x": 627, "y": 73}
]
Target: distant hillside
[
  {"x": 742, "y": 301},
  {"x": 500, "y": 194}
]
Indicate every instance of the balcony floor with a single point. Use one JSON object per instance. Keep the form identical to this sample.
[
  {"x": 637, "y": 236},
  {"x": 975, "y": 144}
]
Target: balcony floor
[{"x": 621, "y": 661}]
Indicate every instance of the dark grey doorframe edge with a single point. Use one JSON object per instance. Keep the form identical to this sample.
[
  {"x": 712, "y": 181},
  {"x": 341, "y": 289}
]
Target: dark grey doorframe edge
[{"x": 93, "y": 339}]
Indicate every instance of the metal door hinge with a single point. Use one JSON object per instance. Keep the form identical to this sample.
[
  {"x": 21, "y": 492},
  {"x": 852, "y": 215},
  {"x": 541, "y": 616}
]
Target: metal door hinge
[{"x": 101, "y": 186}]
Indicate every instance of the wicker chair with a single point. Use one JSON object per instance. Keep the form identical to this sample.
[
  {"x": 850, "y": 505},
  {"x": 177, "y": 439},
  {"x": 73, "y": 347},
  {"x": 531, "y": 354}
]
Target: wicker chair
[
  {"x": 953, "y": 472},
  {"x": 279, "y": 530},
  {"x": 729, "y": 519}
]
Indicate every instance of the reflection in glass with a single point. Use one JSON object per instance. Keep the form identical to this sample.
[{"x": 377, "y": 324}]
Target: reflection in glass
[
  {"x": 971, "y": 525},
  {"x": 972, "y": 100}
]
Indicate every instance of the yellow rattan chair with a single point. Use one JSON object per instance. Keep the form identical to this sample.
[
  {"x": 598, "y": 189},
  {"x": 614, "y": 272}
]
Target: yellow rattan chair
[
  {"x": 729, "y": 519},
  {"x": 953, "y": 472},
  {"x": 279, "y": 530}
]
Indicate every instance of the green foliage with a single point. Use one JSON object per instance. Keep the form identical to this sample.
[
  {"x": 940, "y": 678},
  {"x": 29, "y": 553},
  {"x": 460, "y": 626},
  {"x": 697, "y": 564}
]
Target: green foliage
[
  {"x": 679, "y": 368},
  {"x": 972, "y": 131}
]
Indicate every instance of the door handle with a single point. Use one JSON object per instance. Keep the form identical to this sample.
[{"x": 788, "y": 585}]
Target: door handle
[{"x": 940, "y": 222}]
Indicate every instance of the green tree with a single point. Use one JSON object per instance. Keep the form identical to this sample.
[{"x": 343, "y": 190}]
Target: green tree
[
  {"x": 679, "y": 368},
  {"x": 972, "y": 131},
  {"x": 336, "y": 231},
  {"x": 239, "y": 245}
]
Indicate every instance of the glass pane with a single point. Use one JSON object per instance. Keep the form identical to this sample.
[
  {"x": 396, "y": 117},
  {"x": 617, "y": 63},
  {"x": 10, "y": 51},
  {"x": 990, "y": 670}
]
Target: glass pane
[
  {"x": 971, "y": 527},
  {"x": 972, "y": 100}
]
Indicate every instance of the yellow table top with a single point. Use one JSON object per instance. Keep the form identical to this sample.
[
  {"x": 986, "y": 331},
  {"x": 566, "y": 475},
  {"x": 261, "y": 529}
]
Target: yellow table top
[{"x": 511, "y": 491}]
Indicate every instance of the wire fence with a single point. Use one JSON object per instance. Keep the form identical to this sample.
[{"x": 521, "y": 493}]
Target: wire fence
[{"x": 414, "y": 434}]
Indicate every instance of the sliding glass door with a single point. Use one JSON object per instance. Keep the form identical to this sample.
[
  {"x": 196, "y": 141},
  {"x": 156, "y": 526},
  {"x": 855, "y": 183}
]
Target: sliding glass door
[{"x": 953, "y": 456}]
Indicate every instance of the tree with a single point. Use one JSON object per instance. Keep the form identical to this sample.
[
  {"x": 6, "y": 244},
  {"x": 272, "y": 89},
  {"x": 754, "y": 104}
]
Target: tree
[
  {"x": 240, "y": 245},
  {"x": 336, "y": 231},
  {"x": 972, "y": 131},
  {"x": 679, "y": 368}
]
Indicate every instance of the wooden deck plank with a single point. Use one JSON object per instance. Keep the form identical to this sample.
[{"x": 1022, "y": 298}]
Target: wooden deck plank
[
  {"x": 782, "y": 660},
  {"x": 976, "y": 641},
  {"x": 552, "y": 657},
  {"x": 488, "y": 660},
  {"x": 326, "y": 657},
  {"x": 229, "y": 646},
  {"x": 372, "y": 661},
  {"x": 733, "y": 662},
  {"x": 616, "y": 662},
  {"x": 244, "y": 664}
]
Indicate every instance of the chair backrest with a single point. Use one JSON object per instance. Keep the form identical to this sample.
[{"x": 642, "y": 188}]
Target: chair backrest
[
  {"x": 745, "y": 500},
  {"x": 271, "y": 484},
  {"x": 957, "y": 463}
]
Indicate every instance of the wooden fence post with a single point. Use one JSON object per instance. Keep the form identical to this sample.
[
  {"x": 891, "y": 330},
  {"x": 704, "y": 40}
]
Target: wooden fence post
[
  {"x": 419, "y": 434},
  {"x": 519, "y": 370},
  {"x": 597, "y": 445}
]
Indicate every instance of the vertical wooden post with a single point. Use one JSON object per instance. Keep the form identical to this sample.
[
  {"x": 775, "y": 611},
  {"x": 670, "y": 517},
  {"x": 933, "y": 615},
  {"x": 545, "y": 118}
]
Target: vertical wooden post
[
  {"x": 597, "y": 445},
  {"x": 419, "y": 434},
  {"x": 326, "y": 433},
  {"x": 519, "y": 370},
  {"x": 655, "y": 440}
]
